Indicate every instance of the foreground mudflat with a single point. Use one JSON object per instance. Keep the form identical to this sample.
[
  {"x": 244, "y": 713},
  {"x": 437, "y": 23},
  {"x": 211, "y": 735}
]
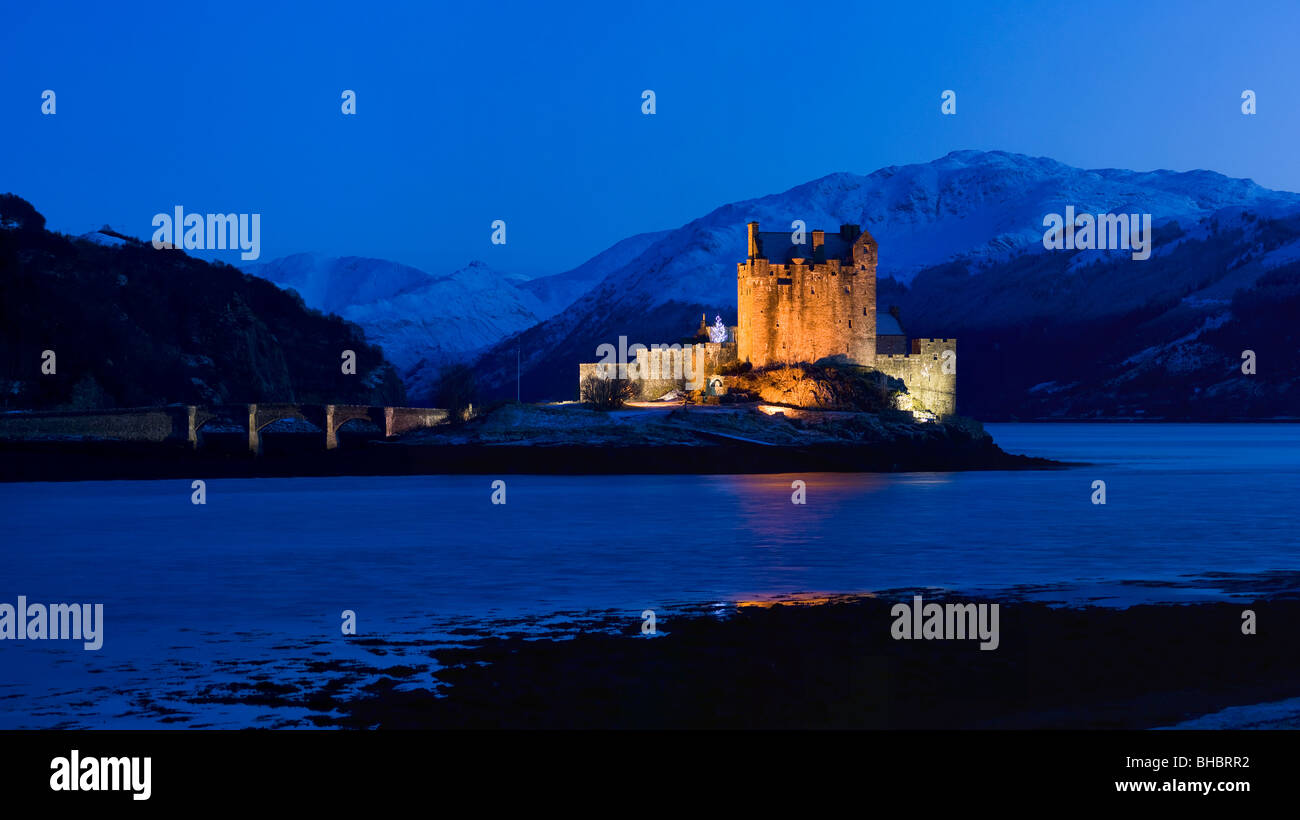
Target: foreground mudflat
[{"x": 829, "y": 663}]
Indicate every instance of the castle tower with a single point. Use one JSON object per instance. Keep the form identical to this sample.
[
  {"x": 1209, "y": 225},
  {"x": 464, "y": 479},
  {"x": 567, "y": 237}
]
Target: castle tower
[{"x": 807, "y": 301}]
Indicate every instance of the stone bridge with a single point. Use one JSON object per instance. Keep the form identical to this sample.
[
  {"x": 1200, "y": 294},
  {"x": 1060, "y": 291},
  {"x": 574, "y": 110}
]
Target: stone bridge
[{"x": 182, "y": 423}]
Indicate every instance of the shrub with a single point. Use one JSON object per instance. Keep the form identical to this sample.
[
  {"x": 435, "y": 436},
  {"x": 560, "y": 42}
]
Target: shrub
[{"x": 606, "y": 393}]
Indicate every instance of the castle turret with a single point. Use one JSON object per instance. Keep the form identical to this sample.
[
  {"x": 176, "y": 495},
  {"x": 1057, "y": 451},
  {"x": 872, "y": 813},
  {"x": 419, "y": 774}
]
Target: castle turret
[{"x": 754, "y": 250}]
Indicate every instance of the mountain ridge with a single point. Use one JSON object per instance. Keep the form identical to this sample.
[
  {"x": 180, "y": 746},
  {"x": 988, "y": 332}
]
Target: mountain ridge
[{"x": 953, "y": 220}]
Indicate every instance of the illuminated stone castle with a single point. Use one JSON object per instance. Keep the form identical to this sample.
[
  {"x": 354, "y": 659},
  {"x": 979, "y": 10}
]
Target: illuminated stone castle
[
  {"x": 815, "y": 301},
  {"x": 809, "y": 302}
]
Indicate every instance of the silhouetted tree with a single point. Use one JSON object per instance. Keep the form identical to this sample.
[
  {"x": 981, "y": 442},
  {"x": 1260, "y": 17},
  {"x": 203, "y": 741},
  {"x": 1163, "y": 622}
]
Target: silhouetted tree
[
  {"x": 16, "y": 212},
  {"x": 457, "y": 391}
]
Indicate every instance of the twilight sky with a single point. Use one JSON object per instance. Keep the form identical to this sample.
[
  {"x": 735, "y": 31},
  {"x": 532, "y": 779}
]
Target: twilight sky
[{"x": 531, "y": 113}]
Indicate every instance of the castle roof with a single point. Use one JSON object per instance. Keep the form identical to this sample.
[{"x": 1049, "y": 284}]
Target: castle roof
[
  {"x": 887, "y": 325},
  {"x": 779, "y": 249}
]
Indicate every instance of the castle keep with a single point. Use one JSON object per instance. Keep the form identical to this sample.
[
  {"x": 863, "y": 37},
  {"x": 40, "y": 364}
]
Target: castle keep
[
  {"x": 816, "y": 301},
  {"x": 805, "y": 302}
]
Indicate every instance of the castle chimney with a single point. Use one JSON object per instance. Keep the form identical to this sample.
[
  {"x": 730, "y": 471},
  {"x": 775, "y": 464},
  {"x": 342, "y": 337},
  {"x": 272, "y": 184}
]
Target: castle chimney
[
  {"x": 754, "y": 251},
  {"x": 819, "y": 239}
]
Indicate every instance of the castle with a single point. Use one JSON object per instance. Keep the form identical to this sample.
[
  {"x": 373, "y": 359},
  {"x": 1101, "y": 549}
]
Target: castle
[{"x": 804, "y": 298}]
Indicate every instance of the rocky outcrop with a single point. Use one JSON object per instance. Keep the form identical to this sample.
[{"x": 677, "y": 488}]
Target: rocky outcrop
[{"x": 810, "y": 386}]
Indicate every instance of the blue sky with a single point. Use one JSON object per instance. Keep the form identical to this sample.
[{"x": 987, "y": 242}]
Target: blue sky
[{"x": 531, "y": 113}]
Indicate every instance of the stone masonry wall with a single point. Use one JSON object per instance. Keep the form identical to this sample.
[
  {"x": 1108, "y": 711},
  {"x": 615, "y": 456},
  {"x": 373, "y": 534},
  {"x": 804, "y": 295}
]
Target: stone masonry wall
[
  {"x": 655, "y": 372},
  {"x": 923, "y": 372}
]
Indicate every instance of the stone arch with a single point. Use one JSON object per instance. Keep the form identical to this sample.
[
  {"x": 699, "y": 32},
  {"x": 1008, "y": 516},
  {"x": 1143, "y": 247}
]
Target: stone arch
[
  {"x": 260, "y": 415},
  {"x": 337, "y": 415}
]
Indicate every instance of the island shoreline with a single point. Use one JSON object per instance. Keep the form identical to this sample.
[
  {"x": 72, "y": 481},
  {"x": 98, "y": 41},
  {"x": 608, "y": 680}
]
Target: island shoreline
[{"x": 112, "y": 460}]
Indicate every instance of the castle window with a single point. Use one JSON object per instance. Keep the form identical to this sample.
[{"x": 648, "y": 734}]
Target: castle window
[
  {"x": 864, "y": 311},
  {"x": 850, "y": 324}
]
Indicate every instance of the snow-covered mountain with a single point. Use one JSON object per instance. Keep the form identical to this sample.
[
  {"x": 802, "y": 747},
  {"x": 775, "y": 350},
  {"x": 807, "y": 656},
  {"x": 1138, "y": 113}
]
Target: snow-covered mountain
[
  {"x": 555, "y": 293},
  {"x": 1042, "y": 332},
  {"x": 444, "y": 321},
  {"x": 960, "y": 250},
  {"x": 334, "y": 284},
  {"x": 425, "y": 322},
  {"x": 984, "y": 207}
]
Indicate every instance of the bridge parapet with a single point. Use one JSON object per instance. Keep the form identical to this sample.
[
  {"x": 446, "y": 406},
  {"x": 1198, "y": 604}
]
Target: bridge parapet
[
  {"x": 156, "y": 424},
  {"x": 398, "y": 420},
  {"x": 183, "y": 423}
]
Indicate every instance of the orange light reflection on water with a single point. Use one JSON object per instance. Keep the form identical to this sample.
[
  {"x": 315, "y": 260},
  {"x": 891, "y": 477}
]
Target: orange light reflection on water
[
  {"x": 784, "y": 539},
  {"x": 805, "y": 599}
]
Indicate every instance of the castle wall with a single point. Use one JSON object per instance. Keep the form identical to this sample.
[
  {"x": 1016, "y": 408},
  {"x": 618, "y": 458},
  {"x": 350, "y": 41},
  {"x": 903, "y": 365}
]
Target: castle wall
[
  {"x": 656, "y": 371},
  {"x": 661, "y": 370},
  {"x": 930, "y": 388}
]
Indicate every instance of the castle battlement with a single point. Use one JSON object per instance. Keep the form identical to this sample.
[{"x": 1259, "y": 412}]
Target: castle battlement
[
  {"x": 933, "y": 346},
  {"x": 762, "y": 271}
]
